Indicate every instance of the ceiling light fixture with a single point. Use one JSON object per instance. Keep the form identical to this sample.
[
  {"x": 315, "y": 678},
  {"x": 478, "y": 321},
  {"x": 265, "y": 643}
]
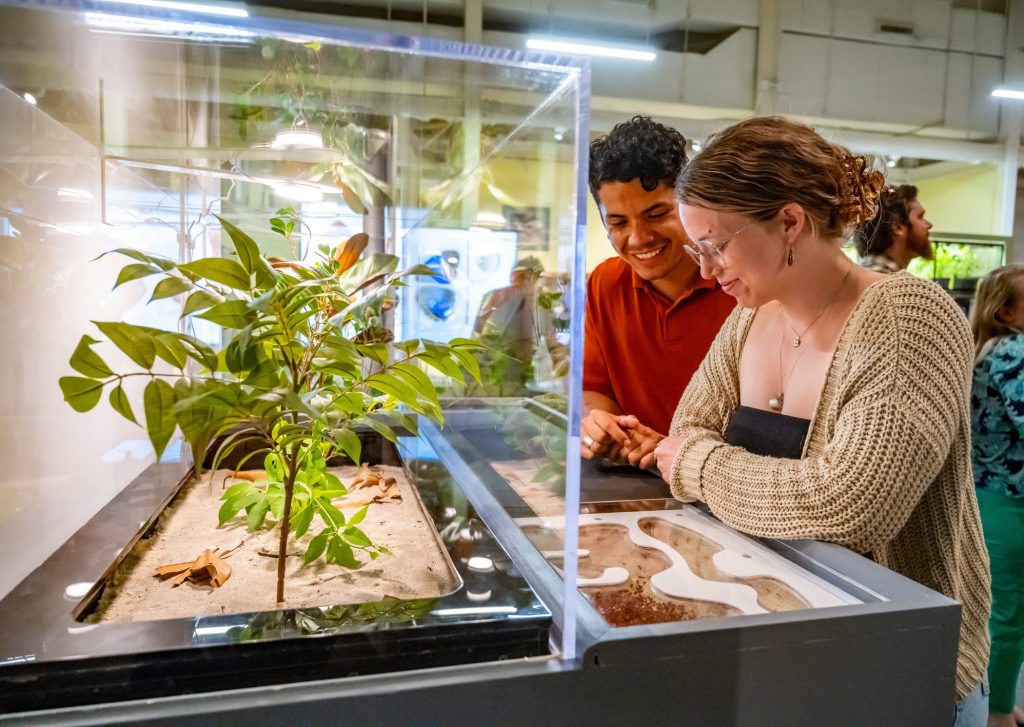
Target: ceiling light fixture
[
  {"x": 578, "y": 48},
  {"x": 297, "y": 139},
  {"x": 205, "y": 8},
  {"x": 1015, "y": 93},
  {"x": 154, "y": 26},
  {"x": 490, "y": 218},
  {"x": 298, "y": 192}
]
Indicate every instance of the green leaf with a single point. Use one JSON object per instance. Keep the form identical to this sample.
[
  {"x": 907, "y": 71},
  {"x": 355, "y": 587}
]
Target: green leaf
[
  {"x": 160, "y": 422},
  {"x": 366, "y": 271},
  {"x": 81, "y": 394},
  {"x": 242, "y": 354},
  {"x": 468, "y": 361},
  {"x": 349, "y": 443},
  {"x": 230, "y": 314},
  {"x": 418, "y": 380},
  {"x": 407, "y": 347},
  {"x": 276, "y": 501},
  {"x": 170, "y": 349},
  {"x": 357, "y": 537},
  {"x": 257, "y": 513},
  {"x": 161, "y": 262},
  {"x": 375, "y": 352},
  {"x": 420, "y": 270},
  {"x": 340, "y": 552},
  {"x": 232, "y": 505},
  {"x": 316, "y": 547},
  {"x": 134, "y": 272},
  {"x": 199, "y": 300},
  {"x": 378, "y": 426},
  {"x": 392, "y": 386},
  {"x": 445, "y": 365},
  {"x": 236, "y": 490},
  {"x": 330, "y": 514},
  {"x": 134, "y": 341},
  {"x": 334, "y": 487},
  {"x": 86, "y": 361},
  {"x": 466, "y": 343},
  {"x": 247, "y": 249},
  {"x": 274, "y": 467},
  {"x": 219, "y": 270},
  {"x": 358, "y": 517},
  {"x": 199, "y": 351},
  {"x": 170, "y": 287},
  {"x": 408, "y": 422},
  {"x": 301, "y": 519},
  {"x": 119, "y": 401}
]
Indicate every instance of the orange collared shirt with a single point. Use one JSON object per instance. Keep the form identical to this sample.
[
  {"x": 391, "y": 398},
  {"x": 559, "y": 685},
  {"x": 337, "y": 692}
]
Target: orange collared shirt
[{"x": 642, "y": 350}]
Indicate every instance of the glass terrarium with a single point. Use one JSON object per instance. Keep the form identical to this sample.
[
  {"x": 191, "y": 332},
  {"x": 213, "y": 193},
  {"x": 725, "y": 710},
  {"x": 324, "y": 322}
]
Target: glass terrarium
[
  {"x": 329, "y": 233},
  {"x": 960, "y": 261},
  {"x": 369, "y": 250}
]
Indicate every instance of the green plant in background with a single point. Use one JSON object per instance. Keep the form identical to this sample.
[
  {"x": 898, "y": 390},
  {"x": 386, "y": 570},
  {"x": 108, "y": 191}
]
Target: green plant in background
[
  {"x": 951, "y": 261},
  {"x": 303, "y": 89},
  {"x": 293, "y": 382},
  {"x": 540, "y": 438}
]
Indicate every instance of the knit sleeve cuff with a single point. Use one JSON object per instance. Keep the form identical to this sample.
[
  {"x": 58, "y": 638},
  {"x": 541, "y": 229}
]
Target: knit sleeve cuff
[{"x": 687, "y": 466}]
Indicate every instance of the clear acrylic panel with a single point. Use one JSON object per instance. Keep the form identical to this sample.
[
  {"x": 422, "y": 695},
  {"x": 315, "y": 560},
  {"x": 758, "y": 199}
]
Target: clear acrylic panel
[{"x": 138, "y": 128}]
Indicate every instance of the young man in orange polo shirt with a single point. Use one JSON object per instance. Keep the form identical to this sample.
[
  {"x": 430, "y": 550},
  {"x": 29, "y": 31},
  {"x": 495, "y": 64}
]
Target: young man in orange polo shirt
[{"x": 650, "y": 317}]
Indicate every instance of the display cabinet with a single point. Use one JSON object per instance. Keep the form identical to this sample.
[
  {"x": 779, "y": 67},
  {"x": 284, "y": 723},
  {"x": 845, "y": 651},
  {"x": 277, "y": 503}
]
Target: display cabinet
[
  {"x": 201, "y": 143},
  {"x": 960, "y": 261},
  {"x": 549, "y": 590}
]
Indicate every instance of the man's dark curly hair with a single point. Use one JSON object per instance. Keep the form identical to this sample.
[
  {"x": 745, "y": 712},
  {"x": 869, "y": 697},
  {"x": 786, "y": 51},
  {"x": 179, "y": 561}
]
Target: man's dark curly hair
[
  {"x": 874, "y": 236},
  {"x": 637, "y": 149}
]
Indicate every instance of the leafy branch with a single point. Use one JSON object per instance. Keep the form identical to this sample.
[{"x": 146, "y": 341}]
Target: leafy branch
[{"x": 295, "y": 381}]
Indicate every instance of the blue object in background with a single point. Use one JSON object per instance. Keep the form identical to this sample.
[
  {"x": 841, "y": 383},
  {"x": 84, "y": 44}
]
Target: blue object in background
[
  {"x": 436, "y": 263},
  {"x": 437, "y": 299}
]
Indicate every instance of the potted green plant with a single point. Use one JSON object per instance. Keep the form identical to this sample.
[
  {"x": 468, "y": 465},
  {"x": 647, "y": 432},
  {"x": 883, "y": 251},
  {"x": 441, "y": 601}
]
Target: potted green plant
[{"x": 306, "y": 364}]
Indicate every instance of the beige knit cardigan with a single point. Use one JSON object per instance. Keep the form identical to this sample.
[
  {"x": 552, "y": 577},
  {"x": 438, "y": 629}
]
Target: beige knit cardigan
[{"x": 886, "y": 467}]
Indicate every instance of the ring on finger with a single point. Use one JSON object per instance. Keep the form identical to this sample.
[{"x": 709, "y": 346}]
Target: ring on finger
[{"x": 588, "y": 441}]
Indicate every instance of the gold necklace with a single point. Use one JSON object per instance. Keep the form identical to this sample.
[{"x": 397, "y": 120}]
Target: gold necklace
[{"x": 776, "y": 402}]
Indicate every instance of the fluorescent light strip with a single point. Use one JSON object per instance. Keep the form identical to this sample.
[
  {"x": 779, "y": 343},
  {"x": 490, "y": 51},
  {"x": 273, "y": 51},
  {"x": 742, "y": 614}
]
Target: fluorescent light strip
[
  {"x": 1017, "y": 94},
  {"x": 224, "y": 11},
  {"x": 587, "y": 49},
  {"x": 152, "y": 26}
]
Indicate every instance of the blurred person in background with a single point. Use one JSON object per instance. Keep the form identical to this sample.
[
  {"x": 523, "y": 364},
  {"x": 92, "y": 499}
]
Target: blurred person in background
[
  {"x": 997, "y": 419},
  {"x": 897, "y": 234}
]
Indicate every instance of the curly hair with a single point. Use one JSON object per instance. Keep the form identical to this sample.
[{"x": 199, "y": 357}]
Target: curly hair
[
  {"x": 640, "y": 148},
  {"x": 756, "y": 166},
  {"x": 874, "y": 236}
]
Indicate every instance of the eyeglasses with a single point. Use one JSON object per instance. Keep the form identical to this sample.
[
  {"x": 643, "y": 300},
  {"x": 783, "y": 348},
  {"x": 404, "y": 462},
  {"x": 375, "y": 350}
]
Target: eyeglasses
[{"x": 712, "y": 251}]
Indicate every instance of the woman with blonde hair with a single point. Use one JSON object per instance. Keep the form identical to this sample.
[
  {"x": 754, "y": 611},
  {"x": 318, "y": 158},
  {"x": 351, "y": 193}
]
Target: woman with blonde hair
[
  {"x": 997, "y": 418},
  {"x": 833, "y": 403}
]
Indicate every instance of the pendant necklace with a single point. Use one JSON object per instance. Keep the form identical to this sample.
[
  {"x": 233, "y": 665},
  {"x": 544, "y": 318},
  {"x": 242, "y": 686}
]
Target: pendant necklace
[
  {"x": 776, "y": 402},
  {"x": 799, "y": 337}
]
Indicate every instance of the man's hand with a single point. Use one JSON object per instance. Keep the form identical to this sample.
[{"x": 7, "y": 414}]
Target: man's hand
[
  {"x": 639, "y": 451},
  {"x": 600, "y": 436}
]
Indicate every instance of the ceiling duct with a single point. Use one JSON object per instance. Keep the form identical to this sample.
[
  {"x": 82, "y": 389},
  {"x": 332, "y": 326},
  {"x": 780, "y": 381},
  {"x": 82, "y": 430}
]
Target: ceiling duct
[{"x": 894, "y": 28}]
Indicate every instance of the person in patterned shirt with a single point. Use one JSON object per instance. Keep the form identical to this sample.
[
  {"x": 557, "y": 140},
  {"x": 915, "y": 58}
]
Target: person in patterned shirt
[
  {"x": 997, "y": 428},
  {"x": 897, "y": 234}
]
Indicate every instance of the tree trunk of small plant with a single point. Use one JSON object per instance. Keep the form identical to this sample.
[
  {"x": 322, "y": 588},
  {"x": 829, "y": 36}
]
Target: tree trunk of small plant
[{"x": 282, "y": 545}]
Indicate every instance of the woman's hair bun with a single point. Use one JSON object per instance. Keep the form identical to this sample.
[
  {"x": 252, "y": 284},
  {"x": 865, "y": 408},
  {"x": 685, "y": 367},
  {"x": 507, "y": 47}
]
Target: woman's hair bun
[{"x": 859, "y": 190}]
